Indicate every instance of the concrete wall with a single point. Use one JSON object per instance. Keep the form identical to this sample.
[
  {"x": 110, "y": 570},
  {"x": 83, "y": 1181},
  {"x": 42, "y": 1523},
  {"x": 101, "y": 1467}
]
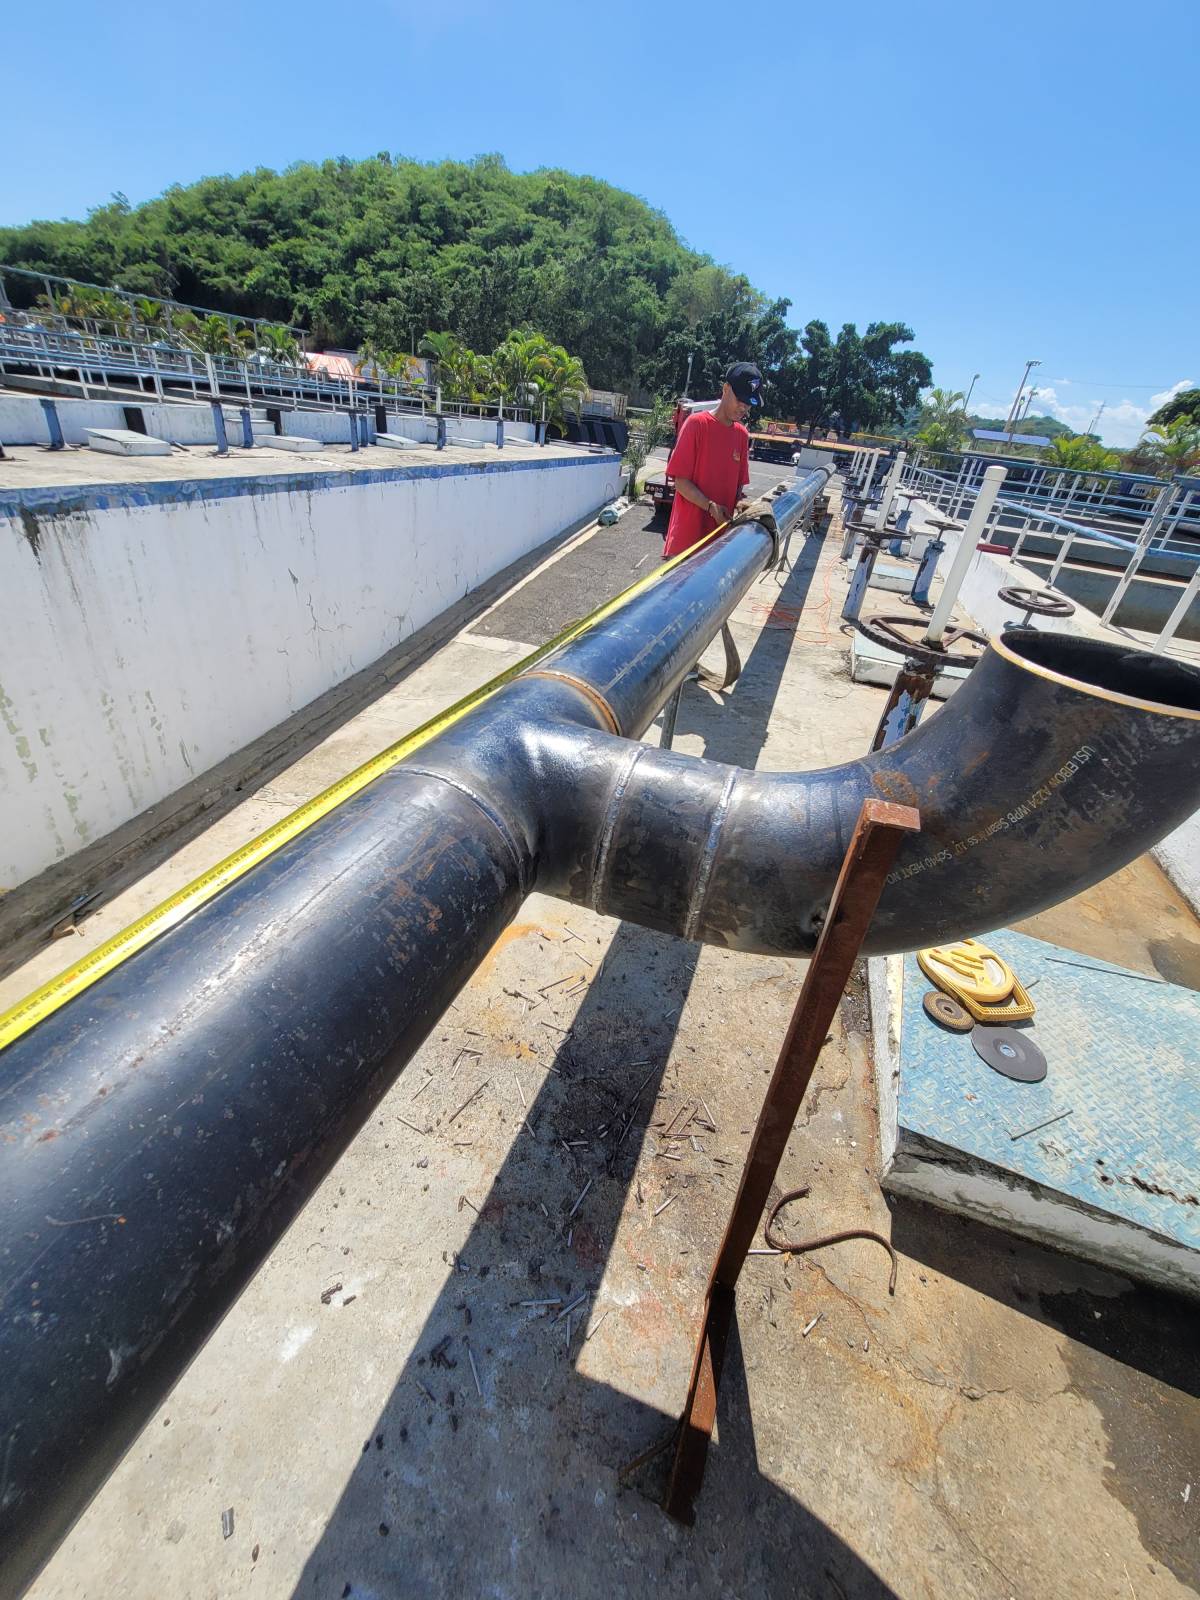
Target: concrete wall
[
  {"x": 330, "y": 427},
  {"x": 411, "y": 425},
  {"x": 1179, "y": 852},
  {"x": 22, "y": 420},
  {"x": 152, "y": 629}
]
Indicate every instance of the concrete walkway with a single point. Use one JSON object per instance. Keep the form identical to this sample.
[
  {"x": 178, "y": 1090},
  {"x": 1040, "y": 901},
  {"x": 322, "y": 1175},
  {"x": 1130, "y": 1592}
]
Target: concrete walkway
[{"x": 404, "y": 1404}]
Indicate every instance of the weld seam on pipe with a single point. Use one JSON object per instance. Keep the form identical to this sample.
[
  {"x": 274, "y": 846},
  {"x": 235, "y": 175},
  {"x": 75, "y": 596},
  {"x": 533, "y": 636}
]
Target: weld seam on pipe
[
  {"x": 592, "y": 696},
  {"x": 608, "y": 830},
  {"x": 708, "y": 857},
  {"x": 520, "y": 865}
]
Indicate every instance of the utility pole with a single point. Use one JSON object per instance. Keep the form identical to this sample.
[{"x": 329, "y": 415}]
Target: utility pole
[
  {"x": 1095, "y": 422},
  {"x": 1012, "y": 410},
  {"x": 1028, "y": 403}
]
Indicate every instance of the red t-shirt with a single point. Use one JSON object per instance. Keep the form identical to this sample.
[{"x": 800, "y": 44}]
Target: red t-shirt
[{"x": 716, "y": 457}]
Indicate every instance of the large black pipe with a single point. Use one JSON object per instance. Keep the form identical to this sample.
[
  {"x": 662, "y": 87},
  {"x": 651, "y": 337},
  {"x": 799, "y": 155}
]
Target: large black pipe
[{"x": 160, "y": 1131}]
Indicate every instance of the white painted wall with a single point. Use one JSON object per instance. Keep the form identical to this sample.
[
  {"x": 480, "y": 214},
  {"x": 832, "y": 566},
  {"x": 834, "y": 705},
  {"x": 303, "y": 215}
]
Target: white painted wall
[
  {"x": 330, "y": 427},
  {"x": 22, "y": 420},
  {"x": 144, "y": 642},
  {"x": 1179, "y": 852},
  {"x": 194, "y": 424}
]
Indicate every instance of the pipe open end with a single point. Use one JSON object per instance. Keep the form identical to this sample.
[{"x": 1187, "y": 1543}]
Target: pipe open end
[{"x": 1121, "y": 673}]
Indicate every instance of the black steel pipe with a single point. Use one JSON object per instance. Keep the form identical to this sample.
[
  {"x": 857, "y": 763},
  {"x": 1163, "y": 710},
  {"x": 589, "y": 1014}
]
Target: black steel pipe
[{"x": 161, "y": 1130}]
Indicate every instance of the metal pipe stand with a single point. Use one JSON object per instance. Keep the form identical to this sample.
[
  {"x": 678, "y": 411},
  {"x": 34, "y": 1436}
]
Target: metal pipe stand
[
  {"x": 918, "y": 672},
  {"x": 707, "y": 680}
]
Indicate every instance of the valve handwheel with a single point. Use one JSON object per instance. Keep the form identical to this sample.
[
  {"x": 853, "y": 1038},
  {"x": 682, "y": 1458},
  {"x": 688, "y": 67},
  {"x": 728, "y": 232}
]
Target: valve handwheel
[
  {"x": 1041, "y": 602},
  {"x": 905, "y": 635}
]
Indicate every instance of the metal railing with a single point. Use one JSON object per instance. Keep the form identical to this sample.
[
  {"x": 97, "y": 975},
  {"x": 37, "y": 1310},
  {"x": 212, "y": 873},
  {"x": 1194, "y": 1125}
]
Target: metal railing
[
  {"x": 106, "y": 364},
  {"x": 952, "y": 496},
  {"x": 1109, "y": 495},
  {"x": 56, "y": 287}
]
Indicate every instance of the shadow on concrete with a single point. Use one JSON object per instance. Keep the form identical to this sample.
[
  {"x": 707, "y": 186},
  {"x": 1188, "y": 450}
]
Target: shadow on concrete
[
  {"x": 513, "y": 1490},
  {"x": 1145, "y": 1329}
]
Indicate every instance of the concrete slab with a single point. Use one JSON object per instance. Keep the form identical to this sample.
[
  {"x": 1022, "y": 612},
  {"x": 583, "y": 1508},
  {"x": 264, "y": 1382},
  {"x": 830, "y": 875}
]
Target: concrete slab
[
  {"x": 395, "y": 441},
  {"x": 32, "y": 466},
  {"x": 294, "y": 443},
  {"x": 124, "y": 442},
  {"x": 966, "y": 1437},
  {"x": 892, "y": 574},
  {"x": 1117, "y": 1178}
]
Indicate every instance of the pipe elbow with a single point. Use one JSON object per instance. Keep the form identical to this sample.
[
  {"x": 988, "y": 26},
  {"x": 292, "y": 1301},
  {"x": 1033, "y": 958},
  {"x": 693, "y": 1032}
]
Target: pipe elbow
[{"x": 1055, "y": 764}]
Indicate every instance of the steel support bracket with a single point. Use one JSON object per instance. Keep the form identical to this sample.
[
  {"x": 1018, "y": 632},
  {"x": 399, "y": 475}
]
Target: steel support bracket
[{"x": 878, "y": 834}]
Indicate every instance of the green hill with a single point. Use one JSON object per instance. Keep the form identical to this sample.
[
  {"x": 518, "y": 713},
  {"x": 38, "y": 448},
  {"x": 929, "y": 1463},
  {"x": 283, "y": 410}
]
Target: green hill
[
  {"x": 385, "y": 248},
  {"x": 1048, "y": 427}
]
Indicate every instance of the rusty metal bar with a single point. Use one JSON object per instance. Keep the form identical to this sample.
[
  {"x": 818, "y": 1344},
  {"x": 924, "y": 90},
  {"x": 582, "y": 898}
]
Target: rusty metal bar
[{"x": 878, "y": 834}]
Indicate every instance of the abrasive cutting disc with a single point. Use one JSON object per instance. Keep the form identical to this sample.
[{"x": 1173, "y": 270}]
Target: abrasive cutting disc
[
  {"x": 947, "y": 1012},
  {"x": 1010, "y": 1052}
]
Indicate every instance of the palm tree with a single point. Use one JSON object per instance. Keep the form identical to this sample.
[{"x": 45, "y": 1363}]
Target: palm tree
[
  {"x": 1174, "y": 446},
  {"x": 519, "y": 362},
  {"x": 654, "y": 429},
  {"x": 398, "y": 367},
  {"x": 278, "y": 345},
  {"x": 211, "y": 337},
  {"x": 446, "y": 351},
  {"x": 462, "y": 374},
  {"x": 565, "y": 387},
  {"x": 1076, "y": 452},
  {"x": 369, "y": 356},
  {"x": 943, "y": 419}
]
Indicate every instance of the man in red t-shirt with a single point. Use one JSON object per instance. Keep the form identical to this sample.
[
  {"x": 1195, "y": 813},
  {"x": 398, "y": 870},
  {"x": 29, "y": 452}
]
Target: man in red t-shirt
[{"x": 711, "y": 460}]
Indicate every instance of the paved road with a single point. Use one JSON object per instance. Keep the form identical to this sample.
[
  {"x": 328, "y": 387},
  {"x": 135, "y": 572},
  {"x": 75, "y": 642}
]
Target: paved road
[{"x": 599, "y": 568}]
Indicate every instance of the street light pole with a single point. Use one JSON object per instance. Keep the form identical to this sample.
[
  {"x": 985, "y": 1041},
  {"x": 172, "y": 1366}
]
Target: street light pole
[
  {"x": 1095, "y": 422},
  {"x": 970, "y": 392},
  {"x": 1012, "y": 410},
  {"x": 687, "y": 382}
]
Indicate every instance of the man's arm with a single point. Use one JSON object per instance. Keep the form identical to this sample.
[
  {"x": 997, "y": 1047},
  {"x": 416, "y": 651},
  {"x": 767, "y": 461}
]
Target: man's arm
[{"x": 689, "y": 491}]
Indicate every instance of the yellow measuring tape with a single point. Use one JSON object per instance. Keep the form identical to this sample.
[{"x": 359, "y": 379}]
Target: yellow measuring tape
[{"x": 35, "y": 1007}]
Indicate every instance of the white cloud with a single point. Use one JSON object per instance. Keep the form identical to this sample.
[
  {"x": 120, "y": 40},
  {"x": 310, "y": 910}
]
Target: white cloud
[{"x": 1121, "y": 425}]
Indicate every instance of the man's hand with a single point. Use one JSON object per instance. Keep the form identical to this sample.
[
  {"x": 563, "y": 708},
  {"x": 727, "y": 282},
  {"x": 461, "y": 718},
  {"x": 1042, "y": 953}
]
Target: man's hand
[{"x": 718, "y": 512}]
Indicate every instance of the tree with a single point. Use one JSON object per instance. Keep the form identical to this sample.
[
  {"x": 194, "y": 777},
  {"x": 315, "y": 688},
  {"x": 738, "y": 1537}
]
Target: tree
[
  {"x": 646, "y": 436},
  {"x": 1081, "y": 453},
  {"x": 858, "y": 381},
  {"x": 209, "y": 336},
  {"x": 449, "y": 358},
  {"x": 1185, "y": 404},
  {"x": 278, "y": 344},
  {"x": 942, "y": 420},
  {"x": 1173, "y": 447},
  {"x": 372, "y": 250}
]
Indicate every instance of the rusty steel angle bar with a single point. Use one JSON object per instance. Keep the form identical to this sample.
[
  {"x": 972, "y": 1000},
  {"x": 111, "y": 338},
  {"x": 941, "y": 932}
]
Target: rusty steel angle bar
[{"x": 878, "y": 834}]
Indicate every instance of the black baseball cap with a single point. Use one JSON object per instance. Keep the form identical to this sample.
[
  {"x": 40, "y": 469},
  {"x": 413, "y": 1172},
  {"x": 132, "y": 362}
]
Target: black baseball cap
[{"x": 745, "y": 380}]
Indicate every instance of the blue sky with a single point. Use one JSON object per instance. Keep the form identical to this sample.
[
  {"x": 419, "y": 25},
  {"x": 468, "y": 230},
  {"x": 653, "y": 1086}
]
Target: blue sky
[{"x": 1013, "y": 181}]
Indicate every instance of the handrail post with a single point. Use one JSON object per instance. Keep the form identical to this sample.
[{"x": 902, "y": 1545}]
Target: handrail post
[
  {"x": 976, "y": 524},
  {"x": 54, "y": 426},
  {"x": 219, "y": 428},
  {"x": 1149, "y": 528},
  {"x": 1181, "y": 610}
]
